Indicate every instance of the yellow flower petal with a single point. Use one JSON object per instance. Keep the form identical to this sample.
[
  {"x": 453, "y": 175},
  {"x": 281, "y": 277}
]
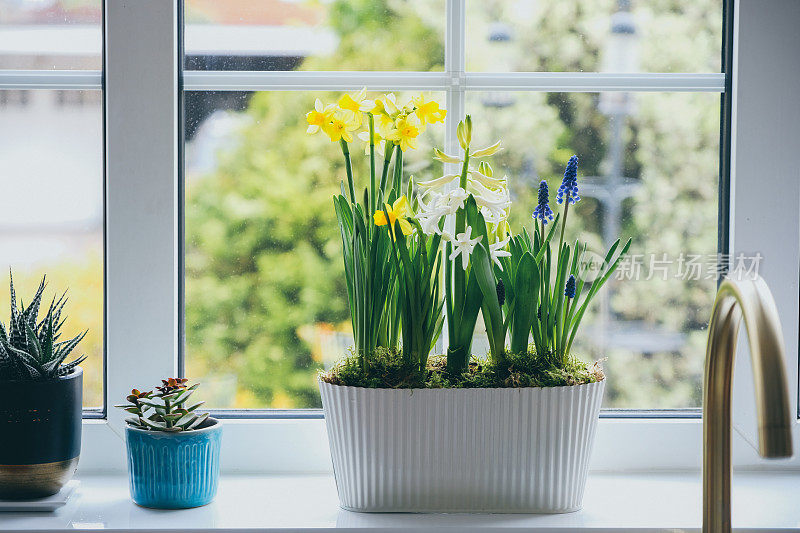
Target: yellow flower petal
[
  {"x": 380, "y": 218},
  {"x": 346, "y": 102},
  {"x": 405, "y": 226},
  {"x": 400, "y": 206}
]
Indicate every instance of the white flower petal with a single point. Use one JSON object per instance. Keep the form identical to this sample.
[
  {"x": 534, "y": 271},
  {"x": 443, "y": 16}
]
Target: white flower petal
[
  {"x": 486, "y": 181},
  {"x": 444, "y": 158},
  {"x": 489, "y": 150},
  {"x": 437, "y": 182}
]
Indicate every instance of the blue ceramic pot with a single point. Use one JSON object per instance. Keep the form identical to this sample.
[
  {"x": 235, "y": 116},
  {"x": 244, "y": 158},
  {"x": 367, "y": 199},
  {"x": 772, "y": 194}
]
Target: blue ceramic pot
[{"x": 174, "y": 470}]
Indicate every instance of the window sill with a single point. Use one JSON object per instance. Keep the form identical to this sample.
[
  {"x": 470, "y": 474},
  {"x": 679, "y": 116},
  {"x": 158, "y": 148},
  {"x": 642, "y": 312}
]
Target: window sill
[{"x": 631, "y": 502}]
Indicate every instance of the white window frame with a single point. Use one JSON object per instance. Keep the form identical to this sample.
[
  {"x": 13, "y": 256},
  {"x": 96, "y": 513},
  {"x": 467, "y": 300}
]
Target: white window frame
[{"x": 141, "y": 84}]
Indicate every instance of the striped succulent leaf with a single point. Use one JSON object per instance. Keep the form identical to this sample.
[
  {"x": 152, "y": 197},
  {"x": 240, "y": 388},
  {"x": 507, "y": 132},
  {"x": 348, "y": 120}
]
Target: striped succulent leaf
[{"x": 29, "y": 348}]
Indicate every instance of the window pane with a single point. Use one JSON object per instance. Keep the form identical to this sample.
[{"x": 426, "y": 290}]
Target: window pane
[
  {"x": 266, "y": 302},
  {"x": 50, "y": 34},
  {"x": 330, "y": 35},
  {"x": 649, "y": 171},
  {"x": 51, "y": 211},
  {"x": 594, "y": 35}
]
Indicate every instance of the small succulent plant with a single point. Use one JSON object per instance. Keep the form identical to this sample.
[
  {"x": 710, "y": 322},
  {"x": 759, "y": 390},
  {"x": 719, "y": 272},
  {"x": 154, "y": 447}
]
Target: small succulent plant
[
  {"x": 30, "y": 349},
  {"x": 165, "y": 407}
]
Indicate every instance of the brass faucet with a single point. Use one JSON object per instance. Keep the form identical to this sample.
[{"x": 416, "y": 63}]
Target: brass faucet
[{"x": 738, "y": 298}]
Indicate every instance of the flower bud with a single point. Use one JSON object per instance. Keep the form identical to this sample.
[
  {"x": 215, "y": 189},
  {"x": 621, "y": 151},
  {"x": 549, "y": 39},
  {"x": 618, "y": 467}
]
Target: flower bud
[
  {"x": 485, "y": 169},
  {"x": 462, "y": 139}
]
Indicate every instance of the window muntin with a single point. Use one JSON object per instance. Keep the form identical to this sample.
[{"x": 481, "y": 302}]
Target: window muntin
[{"x": 51, "y": 211}]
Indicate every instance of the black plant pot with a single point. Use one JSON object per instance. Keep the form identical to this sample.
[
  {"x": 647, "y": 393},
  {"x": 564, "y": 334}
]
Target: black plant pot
[{"x": 40, "y": 435}]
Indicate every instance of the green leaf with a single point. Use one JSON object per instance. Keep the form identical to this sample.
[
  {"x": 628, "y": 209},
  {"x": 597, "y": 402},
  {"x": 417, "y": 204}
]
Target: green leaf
[
  {"x": 153, "y": 424},
  {"x": 199, "y": 420},
  {"x": 524, "y": 303},
  {"x": 482, "y": 269},
  {"x": 195, "y": 406},
  {"x": 595, "y": 287}
]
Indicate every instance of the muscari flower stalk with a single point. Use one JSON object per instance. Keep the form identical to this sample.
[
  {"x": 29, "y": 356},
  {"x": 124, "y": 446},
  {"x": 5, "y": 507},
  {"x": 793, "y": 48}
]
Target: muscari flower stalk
[
  {"x": 501, "y": 292},
  {"x": 569, "y": 290},
  {"x": 569, "y": 185},
  {"x": 543, "y": 211},
  {"x": 568, "y": 192}
]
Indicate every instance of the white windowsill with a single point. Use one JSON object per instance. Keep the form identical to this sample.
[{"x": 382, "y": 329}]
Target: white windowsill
[{"x": 631, "y": 502}]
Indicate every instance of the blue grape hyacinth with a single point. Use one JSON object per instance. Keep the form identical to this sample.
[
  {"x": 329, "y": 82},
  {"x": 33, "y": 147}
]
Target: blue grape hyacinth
[
  {"x": 569, "y": 290},
  {"x": 569, "y": 185},
  {"x": 543, "y": 211}
]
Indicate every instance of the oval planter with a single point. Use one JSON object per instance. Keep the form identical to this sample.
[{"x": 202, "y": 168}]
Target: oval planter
[
  {"x": 174, "y": 470},
  {"x": 40, "y": 435},
  {"x": 461, "y": 450}
]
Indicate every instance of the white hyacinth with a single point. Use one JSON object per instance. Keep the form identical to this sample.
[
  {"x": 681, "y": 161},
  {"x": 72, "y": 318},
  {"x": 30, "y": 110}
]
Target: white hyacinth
[{"x": 463, "y": 245}]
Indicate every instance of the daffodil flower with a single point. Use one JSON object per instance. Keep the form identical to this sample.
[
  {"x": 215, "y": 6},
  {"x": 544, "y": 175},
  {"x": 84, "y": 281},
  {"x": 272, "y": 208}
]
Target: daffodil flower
[
  {"x": 497, "y": 250},
  {"x": 340, "y": 127},
  {"x": 352, "y": 104},
  {"x": 319, "y": 117},
  {"x": 405, "y": 132},
  {"x": 385, "y": 108},
  {"x": 398, "y": 211},
  {"x": 428, "y": 110},
  {"x": 463, "y": 246}
]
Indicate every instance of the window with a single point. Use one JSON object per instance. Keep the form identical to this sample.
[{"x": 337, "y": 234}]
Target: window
[
  {"x": 51, "y": 149},
  {"x": 91, "y": 132},
  {"x": 265, "y": 304}
]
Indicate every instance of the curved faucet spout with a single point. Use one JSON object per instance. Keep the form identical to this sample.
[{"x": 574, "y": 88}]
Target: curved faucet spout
[{"x": 752, "y": 300}]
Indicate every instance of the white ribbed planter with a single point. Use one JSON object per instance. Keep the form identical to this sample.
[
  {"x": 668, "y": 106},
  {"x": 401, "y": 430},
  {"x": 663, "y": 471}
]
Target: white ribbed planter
[{"x": 449, "y": 450}]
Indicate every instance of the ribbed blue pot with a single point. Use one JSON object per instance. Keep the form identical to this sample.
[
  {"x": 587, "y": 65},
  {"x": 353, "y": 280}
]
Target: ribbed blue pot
[{"x": 174, "y": 470}]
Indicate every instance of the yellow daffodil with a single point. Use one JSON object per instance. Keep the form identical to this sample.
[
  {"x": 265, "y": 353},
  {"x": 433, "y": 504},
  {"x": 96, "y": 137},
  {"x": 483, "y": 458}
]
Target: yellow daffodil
[
  {"x": 385, "y": 110},
  {"x": 404, "y": 132},
  {"x": 352, "y": 104},
  {"x": 340, "y": 127},
  {"x": 428, "y": 110},
  {"x": 319, "y": 117},
  {"x": 398, "y": 211}
]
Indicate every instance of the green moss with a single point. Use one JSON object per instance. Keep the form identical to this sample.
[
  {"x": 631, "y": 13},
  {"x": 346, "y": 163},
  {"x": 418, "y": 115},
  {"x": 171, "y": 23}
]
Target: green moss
[{"x": 386, "y": 369}]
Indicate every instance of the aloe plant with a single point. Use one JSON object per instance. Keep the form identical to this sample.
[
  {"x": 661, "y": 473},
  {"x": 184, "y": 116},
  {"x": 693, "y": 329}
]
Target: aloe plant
[
  {"x": 165, "y": 408},
  {"x": 30, "y": 349}
]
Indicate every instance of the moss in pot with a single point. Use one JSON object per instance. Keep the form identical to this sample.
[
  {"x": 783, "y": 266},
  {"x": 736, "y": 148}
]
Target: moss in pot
[{"x": 41, "y": 398}]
